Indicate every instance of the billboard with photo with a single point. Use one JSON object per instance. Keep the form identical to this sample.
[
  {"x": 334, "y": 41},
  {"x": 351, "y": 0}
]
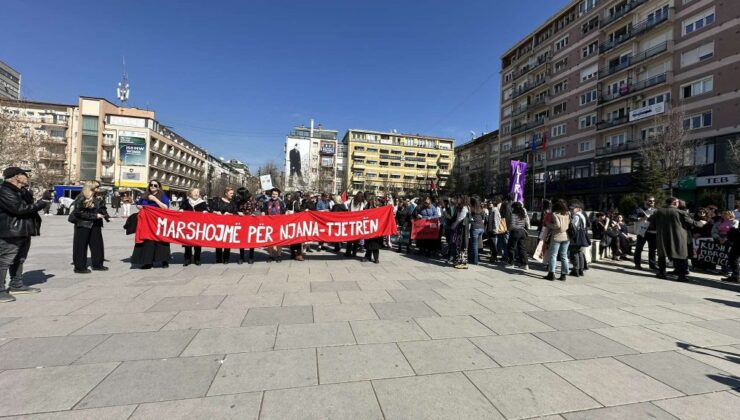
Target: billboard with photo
[
  {"x": 328, "y": 148},
  {"x": 131, "y": 148},
  {"x": 297, "y": 164}
]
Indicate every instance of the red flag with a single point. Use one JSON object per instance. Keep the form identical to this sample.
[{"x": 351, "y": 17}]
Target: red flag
[
  {"x": 544, "y": 141},
  {"x": 344, "y": 196}
]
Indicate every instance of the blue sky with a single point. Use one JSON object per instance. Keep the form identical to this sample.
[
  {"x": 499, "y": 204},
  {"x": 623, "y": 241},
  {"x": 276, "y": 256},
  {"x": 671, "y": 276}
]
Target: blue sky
[{"x": 234, "y": 77}]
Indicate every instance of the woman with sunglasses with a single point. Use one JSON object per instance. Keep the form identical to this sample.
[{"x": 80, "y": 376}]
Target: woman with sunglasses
[
  {"x": 224, "y": 205},
  {"x": 149, "y": 252}
]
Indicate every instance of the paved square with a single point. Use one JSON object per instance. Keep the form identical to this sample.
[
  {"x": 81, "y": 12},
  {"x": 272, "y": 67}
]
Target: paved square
[{"x": 332, "y": 337}]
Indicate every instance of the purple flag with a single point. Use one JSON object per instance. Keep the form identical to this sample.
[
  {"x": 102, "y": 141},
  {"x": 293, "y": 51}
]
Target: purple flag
[{"x": 518, "y": 177}]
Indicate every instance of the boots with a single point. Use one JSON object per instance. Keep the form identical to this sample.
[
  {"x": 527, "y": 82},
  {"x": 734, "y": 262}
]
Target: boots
[
  {"x": 562, "y": 277},
  {"x": 550, "y": 276}
]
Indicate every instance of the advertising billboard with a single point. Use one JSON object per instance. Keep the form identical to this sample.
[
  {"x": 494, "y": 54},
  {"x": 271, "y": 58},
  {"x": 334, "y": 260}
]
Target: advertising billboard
[
  {"x": 297, "y": 163},
  {"x": 131, "y": 148},
  {"x": 328, "y": 148}
]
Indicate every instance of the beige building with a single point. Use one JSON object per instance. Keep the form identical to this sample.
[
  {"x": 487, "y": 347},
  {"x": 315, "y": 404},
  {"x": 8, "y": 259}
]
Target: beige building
[
  {"x": 39, "y": 137},
  {"x": 398, "y": 163},
  {"x": 475, "y": 163},
  {"x": 597, "y": 76}
]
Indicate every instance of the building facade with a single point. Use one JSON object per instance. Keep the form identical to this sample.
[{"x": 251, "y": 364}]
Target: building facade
[
  {"x": 38, "y": 136},
  {"x": 311, "y": 159},
  {"x": 10, "y": 82},
  {"x": 597, "y": 79},
  {"x": 396, "y": 163},
  {"x": 476, "y": 166}
]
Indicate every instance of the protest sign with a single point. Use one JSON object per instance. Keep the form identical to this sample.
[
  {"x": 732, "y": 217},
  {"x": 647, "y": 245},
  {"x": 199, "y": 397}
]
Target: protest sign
[
  {"x": 230, "y": 231},
  {"x": 266, "y": 182},
  {"x": 714, "y": 253},
  {"x": 425, "y": 229}
]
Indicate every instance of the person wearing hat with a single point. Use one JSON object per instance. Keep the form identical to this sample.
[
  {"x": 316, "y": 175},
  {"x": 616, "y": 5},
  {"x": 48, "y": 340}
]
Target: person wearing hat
[
  {"x": 272, "y": 207},
  {"x": 19, "y": 221}
]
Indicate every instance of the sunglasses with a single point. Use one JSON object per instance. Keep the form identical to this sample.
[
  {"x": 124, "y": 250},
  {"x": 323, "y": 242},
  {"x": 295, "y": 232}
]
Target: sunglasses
[{"x": 154, "y": 185}]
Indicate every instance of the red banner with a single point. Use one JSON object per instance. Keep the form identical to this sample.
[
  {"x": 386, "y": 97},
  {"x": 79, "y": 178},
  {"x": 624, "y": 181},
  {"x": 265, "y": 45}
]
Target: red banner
[
  {"x": 425, "y": 229},
  {"x": 222, "y": 231}
]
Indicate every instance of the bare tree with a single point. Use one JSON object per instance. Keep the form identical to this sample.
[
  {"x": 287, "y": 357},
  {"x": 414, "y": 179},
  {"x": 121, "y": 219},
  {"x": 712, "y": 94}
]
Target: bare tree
[
  {"x": 667, "y": 154},
  {"x": 733, "y": 154},
  {"x": 270, "y": 168},
  {"x": 22, "y": 146}
]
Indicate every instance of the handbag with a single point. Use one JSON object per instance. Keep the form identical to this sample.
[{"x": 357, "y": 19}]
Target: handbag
[
  {"x": 503, "y": 228},
  {"x": 72, "y": 218}
]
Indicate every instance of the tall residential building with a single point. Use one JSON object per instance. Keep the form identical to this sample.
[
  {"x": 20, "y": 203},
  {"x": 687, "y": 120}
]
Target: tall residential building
[
  {"x": 126, "y": 147},
  {"x": 598, "y": 77},
  {"x": 398, "y": 163},
  {"x": 47, "y": 129},
  {"x": 310, "y": 159},
  {"x": 342, "y": 163},
  {"x": 10, "y": 82},
  {"x": 476, "y": 165}
]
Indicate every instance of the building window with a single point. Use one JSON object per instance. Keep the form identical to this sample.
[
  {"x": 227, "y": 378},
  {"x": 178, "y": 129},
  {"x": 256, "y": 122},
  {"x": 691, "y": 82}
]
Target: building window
[
  {"x": 590, "y": 25},
  {"x": 372, "y": 150},
  {"x": 507, "y": 111},
  {"x": 587, "y": 121},
  {"x": 704, "y": 154},
  {"x": 585, "y": 146},
  {"x": 620, "y": 166},
  {"x": 506, "y": 146},
  {"x": 560, "y": 87},
  {"x": 89, "y": 148},
  {"x": 698, "y": 121},
  {"x": 581, "y": 172},
  {"x": 558, "y": 152},
  {"x": 559, "y": 130},
  {"x": 616, "y": 141},
  {"x": 702, "y": 53},
  {"x": 698, "y": 87},
  {"x": 589, "y": 72},
  {"x": 590, "y": 49},
  {"x": 663, "y": 97},
  {"x": 561, "y": 43},
  {"x": 589, "y": 97},
  {"x": 559, "y": 108},
  {"x": 561, "y": 65},
  {"x": 506, "y": 129},
  {"x": 698, "y": 21}
]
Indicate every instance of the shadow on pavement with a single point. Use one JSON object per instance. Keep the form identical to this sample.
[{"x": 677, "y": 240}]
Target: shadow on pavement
[{"x": 35, "y": 277}]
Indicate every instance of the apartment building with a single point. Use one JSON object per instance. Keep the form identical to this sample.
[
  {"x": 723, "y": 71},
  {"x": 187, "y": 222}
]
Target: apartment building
[
  {"x": 475, "y": 163},
  {"x": 599, "y": 76},
  {"x": 126, "y": 147},
  {"x": 10, "y": 82},
  {"x": 397, "y": 163},
  {"x": 42, "y": 138},
  {"x": 311, "y": 159}
]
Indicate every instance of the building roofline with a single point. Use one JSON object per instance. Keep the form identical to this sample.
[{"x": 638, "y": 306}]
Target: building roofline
[
  {"x": 10, "y": 67},
  {"x": 480, "y": 139},
  {"x": 401, "y": 134},
  {"x": 25, "y": 101},
  {"x": 542, "y": 26}
]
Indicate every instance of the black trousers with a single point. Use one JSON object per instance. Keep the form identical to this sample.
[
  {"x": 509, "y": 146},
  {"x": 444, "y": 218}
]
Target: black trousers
[
  {"x": 223, "y": 254},
  {"x": 640, "y": 245},
  {"x": 251, "y": 253},
  {"x": 517, "y": 246},
  {"x": 83, "y": 239},
  {"x": 577, "y": 258},
  {"x": 296, "y": 249},
  {"x": 680, "y": 265},
  {"x": 16, "y": 268},
  {"x": 189, "y": 253}
]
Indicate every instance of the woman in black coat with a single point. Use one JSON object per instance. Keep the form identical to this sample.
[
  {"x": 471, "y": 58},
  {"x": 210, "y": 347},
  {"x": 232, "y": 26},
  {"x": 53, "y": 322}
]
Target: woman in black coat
[
  {"x": 193, "y": 202},
  {"x": 224, "y": 205},
  {"x": 88, "y": 214},
  {"x": 149, "y": 252},
  {"x": 372, "y": 245}
]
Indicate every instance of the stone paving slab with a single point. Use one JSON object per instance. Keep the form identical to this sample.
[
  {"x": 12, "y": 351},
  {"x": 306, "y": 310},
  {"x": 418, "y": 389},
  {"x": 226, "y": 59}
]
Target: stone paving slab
[{"x": 333, "y": 337}]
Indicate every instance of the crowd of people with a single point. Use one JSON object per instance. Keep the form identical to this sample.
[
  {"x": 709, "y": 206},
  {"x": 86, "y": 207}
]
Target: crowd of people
[{"x": 465, "y": 227}]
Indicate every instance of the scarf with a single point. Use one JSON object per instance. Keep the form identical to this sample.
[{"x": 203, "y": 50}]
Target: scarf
[
  {"x": 273, "y": 207},
  {"x": 196, "y": 202}
]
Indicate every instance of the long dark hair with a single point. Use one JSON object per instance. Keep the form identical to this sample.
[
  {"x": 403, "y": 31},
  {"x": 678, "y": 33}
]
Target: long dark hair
[
  {"x": 463, "y": 201},
  {"x": 560, "y": 207},
  {"x": 159, "y": 192},
  {"x": 475, "y": 207},
  {"x": 518, "y": 209},
  {"x": 242, "y": 195}
]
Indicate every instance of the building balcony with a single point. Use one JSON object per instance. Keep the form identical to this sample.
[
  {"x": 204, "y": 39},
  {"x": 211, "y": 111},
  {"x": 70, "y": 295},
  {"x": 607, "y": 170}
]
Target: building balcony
[
  {"x": 527, "y": 87},
  {"x": 53, "y": 140},
  {"x": 536, "y": 103},
  {"x": 47, "y": 155},
  {"x": 630, "y": 88},
  {"x": 107, "y": 160},
  {"x": 106, "y": 177},
  {"x": 528, "y": 126},
  {"x": 529, "y": 68},
  {"x": 605, "y": 124},
  {"x": 631, "y": 60},
  {"x": 630, "y": 6},
  {"x": 627, "y": 146},
  {"x": 632, "y": 32},
  {"x": 109, "y": 143}
]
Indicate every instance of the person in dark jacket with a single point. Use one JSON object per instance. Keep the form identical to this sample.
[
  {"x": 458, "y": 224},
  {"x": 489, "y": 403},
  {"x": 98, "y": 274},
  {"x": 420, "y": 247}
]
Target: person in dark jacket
[
  {"x": 19, "y": 221},
  {"x": 272, "y": 207},
  {"x": 148, "y": 252},
  {"x": 672, "y": 226},
  {"x": 245, "y": 205},
  {"x": 88, "y": 214},
  {"x": 338, "y": 206},
  {"x": 372, "y": 245},
  {"x": 16, "y": 269},
  {"x": 224, "y": 205},
  {"x": 193, "y": 202}
]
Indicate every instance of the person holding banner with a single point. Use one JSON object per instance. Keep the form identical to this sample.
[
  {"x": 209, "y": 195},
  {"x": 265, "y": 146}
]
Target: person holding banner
[
  {"x": 193, "y": 202},
  {"x": 224, "y": 205},
  {"x": 246, "y": 205},
  {"x": 272, "y": 207},
  {"x": 338, "y": 206},
  {"x": 372, "y": 245},
  {"x": 149, "y": 252},
  {"x": 426, "y": 210},
  {"x": 356, "y": 203},
  {"x": 323, "y": 204}
]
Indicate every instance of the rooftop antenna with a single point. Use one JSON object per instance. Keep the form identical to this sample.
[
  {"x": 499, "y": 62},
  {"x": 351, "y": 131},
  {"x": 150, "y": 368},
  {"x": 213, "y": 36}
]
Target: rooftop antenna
[{"x": 122, "y": 92}]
